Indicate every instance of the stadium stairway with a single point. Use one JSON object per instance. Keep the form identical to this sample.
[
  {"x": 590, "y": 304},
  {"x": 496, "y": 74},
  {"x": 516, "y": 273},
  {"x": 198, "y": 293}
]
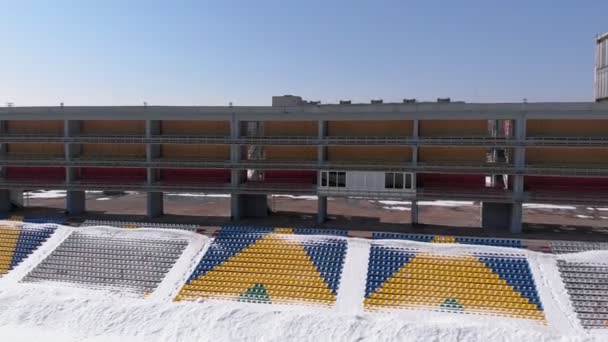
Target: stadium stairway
[{"x": 269, "y": 265}]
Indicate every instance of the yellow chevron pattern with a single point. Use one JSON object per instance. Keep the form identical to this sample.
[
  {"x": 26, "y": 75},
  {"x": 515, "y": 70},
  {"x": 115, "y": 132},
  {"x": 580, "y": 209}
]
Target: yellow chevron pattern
[
  {"x": 459, "y": 283},
  {"x": 444, "y": 239},
  {"x": 273, "y": 269},
  {"x": 8, "y": 241}
]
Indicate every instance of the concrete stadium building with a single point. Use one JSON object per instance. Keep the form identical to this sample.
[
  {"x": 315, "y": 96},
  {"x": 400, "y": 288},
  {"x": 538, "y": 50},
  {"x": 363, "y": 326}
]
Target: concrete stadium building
[{"x": 501, "y": 154}]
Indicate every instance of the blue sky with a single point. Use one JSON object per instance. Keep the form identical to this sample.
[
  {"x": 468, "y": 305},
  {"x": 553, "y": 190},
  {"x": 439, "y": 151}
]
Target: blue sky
[{"x": 215, "y": 52}]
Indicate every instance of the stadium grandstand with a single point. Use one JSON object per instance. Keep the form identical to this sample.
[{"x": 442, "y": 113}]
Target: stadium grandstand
[{"x": 502, "y": 154}]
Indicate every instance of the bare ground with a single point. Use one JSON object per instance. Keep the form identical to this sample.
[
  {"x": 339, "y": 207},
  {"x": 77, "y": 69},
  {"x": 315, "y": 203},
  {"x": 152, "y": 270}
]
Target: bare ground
[{"x": 575, "y": 222}]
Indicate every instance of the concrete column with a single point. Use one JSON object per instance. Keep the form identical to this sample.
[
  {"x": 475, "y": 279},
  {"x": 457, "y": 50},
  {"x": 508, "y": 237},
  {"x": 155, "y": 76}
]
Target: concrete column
[
  {"x": 414, "y": 213},
  {"x": 75, "y": 202},
  {"x": 322, "y": 209},
  {"x": 518, "y": 179},
  {"x": 75, "y": 199},
  {"x": 414, "y": 203},
  {"x": 516, "y": 218},
  {"x": 154, "y": 204},
  {"x": 154, "y": 200},
  {"x": 5, "y": 200},
  {"x": 322, "y": 149},
  {"x": 321, "y": 158},
  {"x": 235, "y": 174},
  {"x": 235, "y": 207}
]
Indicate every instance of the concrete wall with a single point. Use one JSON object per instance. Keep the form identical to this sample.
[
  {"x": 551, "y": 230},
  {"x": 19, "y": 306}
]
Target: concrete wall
[
  {"x": 35, "y": 149},
  {"x": 389, "y": 128},
  {"x": 453, "y": 128},
  {"x": 183, "y": 151},
  {"x": 109, "y": 127},
  {"x": 189, "y": 127},
  {"x": 122, "y": 150},
  {"x": 444, "y": 154},
  {"x": 369, "y": 153},
  {"x": 290, "y": 152},
  {"x": 291, "y": 128},
  {"x": 38, "y": 126},
  {"x": 565, "y": 155},
  {"x": 567, "y": 128}
]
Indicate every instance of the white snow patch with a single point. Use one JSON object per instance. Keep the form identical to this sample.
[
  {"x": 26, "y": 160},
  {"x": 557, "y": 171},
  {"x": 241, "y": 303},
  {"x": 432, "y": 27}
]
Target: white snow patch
[
  {"x": 103, "y": 199},
  {"x": 302, "y": 197},
  {"x": 398, "y": 208},
  {"x": 448, "y": 204},
  {"x": 584, "y": 216},
  {"x": 198, "y": 195},
  {"x": 44, "y": 194},
  {"x": 390, "y": 203},
  {"x": 548, "y": 206}
]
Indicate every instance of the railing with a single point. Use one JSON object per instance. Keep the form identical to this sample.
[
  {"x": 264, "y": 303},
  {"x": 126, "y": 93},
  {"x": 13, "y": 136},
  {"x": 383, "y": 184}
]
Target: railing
[
  {"x": 598, "y": 170},
  {"x": 487, "y": 141}
]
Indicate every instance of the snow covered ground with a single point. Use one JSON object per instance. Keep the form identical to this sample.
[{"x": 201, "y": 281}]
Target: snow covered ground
[{"x": 50, "y": 312}]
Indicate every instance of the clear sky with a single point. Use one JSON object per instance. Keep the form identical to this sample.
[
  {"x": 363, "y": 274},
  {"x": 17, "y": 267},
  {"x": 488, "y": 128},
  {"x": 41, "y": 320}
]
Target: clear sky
[{"x": 108, "y": 52}]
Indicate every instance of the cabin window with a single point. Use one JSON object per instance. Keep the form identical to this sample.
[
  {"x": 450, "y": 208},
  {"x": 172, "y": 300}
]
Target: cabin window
[
  {"x": 397, "y": 180},
  {"x": 333, "y": 179}
]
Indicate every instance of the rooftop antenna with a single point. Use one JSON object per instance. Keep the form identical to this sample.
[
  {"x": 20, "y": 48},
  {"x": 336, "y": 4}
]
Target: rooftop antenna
[
  {"x": 230, "y": 104},
  {"x": 61, "y": 104},
  {"x": 10, "y": 104},
  {"x": 145, "y": 104}
]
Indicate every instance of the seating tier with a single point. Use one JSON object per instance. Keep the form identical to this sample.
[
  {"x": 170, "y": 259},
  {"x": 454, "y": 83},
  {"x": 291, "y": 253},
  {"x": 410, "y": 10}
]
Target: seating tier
[{"x": 268, "y": 265}]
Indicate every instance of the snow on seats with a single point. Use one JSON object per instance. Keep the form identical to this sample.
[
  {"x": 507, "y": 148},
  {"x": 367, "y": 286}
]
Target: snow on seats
[
  {"x": 95, "y": 258},
  {"x": 270, "y": 265},
  {"x": 587, "y": 286}
]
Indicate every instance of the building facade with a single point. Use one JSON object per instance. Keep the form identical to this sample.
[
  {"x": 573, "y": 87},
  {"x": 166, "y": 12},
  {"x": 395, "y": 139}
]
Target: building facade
[{"x": 502, "y": 154}]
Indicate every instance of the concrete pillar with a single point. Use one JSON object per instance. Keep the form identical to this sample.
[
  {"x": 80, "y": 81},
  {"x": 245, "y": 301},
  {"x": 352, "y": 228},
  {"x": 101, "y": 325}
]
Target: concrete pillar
[
  {"x": 245, "y": 206},
  {"x": 235, "y": 207},
  {"x": 154, "y": 200},
  {"x": 414, "y": 203},
  {"x": 322, "y": 149},
  {"x": 516, "y": 218},
  {"x": 414, "y": 212},
  {"x": 75, "y": 202},
  {"x": 5, "y": 201},
  {"x": 253, "y": 205},
  {"x": 322, "y": 209},
  {"x": 496, "y": 216},
  {"x": 154, "y": 204}
]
